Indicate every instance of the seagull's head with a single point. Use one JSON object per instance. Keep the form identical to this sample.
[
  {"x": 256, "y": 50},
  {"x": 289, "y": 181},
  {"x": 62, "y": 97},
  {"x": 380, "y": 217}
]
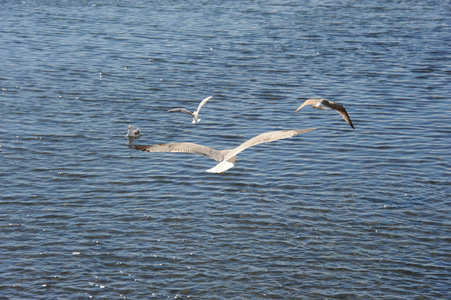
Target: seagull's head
[{"x": 130, "y": 126}]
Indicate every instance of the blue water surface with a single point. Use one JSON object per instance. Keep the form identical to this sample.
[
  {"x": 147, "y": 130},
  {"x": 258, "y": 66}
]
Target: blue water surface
[{"x": 335, "y": 213}]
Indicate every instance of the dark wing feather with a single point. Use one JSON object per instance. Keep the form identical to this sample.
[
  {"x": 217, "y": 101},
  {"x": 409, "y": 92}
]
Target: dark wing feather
[{"x": 342, "y": 111}]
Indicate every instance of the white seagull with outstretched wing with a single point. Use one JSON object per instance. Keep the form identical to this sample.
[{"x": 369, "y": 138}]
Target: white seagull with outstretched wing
[
  {"x": 226, "y": 158},
  {"x": 194, "y": 114}
]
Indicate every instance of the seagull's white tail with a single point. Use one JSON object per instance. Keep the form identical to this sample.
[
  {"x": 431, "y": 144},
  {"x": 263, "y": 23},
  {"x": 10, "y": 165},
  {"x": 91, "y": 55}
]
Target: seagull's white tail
[{"x": 221, "y": 167}]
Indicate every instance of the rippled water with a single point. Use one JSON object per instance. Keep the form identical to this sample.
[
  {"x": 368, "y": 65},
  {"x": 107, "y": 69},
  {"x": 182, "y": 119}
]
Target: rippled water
[{"x": 333, "y": 213}]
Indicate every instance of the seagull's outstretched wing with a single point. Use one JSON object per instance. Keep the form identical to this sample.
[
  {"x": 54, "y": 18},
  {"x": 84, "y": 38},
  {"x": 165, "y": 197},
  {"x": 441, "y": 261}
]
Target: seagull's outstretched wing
[
  {"x": 341, "y": 110},
  {"x": 202, "y": 103},
  {"x": 265, "y": 138},
  {"x": 182, "y": 110},
  {"x": 183, "y": 148},
  {"x": 310, "y": 102}
]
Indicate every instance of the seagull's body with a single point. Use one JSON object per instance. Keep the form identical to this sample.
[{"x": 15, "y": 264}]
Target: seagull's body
[
  {"x": 133, "y": 133},
  {"x": 325, "y": 104},
  {"x": 194, "y": 114},
  {"x": 226, "y": 158}
]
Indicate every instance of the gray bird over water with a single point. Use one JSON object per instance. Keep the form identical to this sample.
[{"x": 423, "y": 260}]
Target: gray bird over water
[
  {"x": 194, "y": 114},
  {"x": 226, "y": 158},
  {"x": 325, "y": 104}
]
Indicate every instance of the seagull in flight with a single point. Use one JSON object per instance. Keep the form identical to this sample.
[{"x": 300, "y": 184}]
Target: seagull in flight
[
  {"x": 132, "y": 133},
  {"x": 226, "y": 158},
  {"x": 194, "y": 114},
  {"x": 326, "y": 104}
]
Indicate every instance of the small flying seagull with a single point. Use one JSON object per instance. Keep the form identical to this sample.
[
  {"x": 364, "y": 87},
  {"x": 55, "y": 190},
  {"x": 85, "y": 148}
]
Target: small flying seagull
[
  {"x": 226, "y": 158},
  {"x": 132, "y": 133},
  {"x": 195, "y": 114},
  {"x": 325, "y": 104}
]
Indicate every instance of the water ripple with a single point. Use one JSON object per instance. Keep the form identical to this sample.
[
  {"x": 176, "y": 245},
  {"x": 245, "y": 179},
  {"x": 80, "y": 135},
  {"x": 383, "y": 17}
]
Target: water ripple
[{"x": 334, "y": 213}]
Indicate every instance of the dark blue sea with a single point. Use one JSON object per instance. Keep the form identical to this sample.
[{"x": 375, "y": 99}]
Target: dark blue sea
[{"x": 334, "y": 213}]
